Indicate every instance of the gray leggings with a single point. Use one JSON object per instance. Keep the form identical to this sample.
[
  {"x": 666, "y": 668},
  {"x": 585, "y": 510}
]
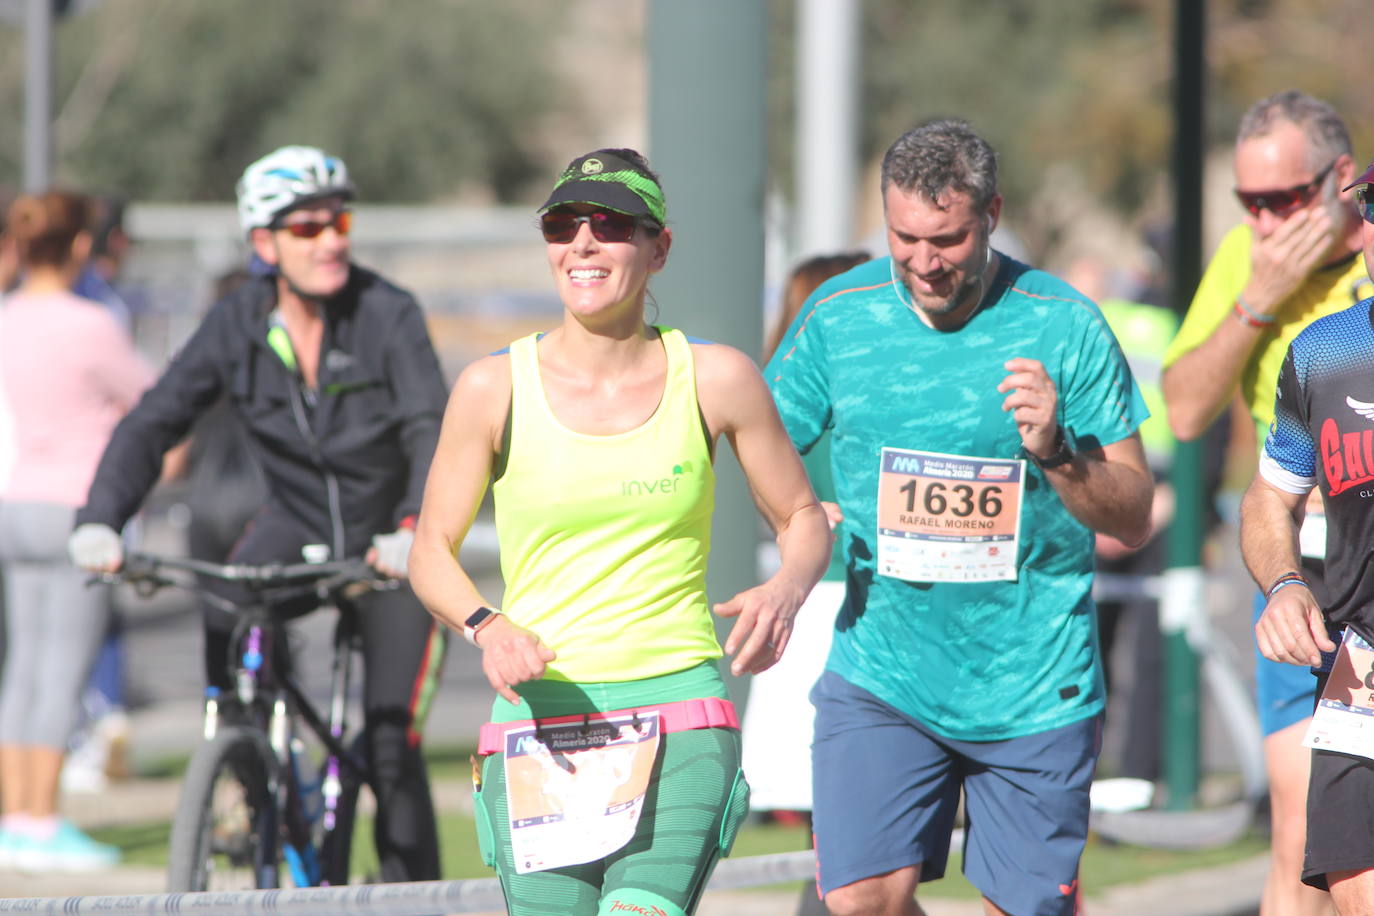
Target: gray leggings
[{"x": 54, "y": 626}]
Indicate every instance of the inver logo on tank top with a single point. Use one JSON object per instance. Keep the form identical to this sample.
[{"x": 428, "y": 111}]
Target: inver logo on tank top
[{"x": 656, "y": 486}]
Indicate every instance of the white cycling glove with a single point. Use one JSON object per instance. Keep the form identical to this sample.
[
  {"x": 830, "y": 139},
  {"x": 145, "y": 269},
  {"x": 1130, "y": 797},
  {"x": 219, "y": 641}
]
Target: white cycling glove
[
  {"x": 95, "y": 547},
  {"x": 393, "y": 551}
]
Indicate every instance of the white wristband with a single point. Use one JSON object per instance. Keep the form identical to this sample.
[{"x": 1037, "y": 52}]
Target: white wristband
[{"x": 476, "y": 621}]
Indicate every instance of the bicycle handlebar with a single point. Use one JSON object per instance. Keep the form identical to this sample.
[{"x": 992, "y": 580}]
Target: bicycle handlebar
[
  {"x": 262, "y": 575},
  {"x": 145, "y": 572}
]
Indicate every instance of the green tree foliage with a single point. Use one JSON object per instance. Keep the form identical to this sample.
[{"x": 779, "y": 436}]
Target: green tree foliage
[
  {"x": 1083, "y": 80},
  {"x": 1080, "y": 84},
  {"x": 170, "y": 99}
]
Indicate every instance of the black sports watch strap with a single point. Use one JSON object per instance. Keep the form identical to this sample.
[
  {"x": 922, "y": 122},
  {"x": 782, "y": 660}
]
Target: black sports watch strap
[{"x": 1063, "y": 452}]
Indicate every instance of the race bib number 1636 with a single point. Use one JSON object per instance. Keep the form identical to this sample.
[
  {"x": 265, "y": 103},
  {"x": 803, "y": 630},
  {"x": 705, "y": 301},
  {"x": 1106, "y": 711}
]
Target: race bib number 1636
[{"x": 948, "y": 518}]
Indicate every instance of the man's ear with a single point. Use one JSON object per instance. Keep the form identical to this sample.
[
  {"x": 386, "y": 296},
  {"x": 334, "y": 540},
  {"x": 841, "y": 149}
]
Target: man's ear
[
  {"x": 263, "y": 245},
  {"x": 1346, "y": 171}
]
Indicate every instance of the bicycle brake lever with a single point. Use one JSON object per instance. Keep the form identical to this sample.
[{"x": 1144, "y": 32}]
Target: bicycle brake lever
[
  {"x": 146, "y": 588},
  {"x": 375, "y": 583},
  {"x": 143, "y": 586}
]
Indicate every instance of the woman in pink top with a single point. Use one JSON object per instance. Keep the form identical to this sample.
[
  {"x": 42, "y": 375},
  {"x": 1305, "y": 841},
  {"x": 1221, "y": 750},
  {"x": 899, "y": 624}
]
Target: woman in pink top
[{"x": 69, "y": 372}]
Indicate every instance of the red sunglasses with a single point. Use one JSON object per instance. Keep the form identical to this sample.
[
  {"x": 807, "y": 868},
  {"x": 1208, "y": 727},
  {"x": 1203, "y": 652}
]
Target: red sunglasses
[
  {"x": 560, "y": 226},
  {"x": 1282, "y": 202},
  {"x": 310, "y": 228}
]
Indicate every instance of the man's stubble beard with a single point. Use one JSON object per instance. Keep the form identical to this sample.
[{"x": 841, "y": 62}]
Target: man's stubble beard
[{"x": 952, "y": 302}]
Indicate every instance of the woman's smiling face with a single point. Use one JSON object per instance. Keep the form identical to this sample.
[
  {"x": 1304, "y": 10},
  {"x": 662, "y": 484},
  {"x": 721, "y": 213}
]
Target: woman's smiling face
[{"x": 592, "y": 276}]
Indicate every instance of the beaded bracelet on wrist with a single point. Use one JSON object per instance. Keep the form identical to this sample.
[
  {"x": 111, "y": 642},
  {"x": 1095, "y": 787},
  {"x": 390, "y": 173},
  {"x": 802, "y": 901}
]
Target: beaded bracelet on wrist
[
  {"x": 1249, "y": 316},
  {"x": 1285, "y": 580}
]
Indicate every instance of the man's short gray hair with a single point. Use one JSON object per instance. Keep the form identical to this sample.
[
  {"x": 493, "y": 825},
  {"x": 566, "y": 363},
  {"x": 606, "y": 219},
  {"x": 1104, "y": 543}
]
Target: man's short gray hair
[
  {"x": 939, "y": 156},
  {"x": 1326, "y": 133}
]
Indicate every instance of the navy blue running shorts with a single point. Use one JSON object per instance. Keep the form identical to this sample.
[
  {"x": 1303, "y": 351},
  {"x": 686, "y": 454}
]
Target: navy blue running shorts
[{"x": 886, "y": 791}]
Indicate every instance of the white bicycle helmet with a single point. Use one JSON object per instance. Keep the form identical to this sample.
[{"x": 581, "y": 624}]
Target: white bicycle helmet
[{"x": 286, "y": 177}]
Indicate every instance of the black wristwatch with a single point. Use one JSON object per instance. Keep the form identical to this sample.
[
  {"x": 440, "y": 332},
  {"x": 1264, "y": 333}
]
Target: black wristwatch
[
  {"x": 476, "y": 620},
  {"x": 1062, "y": 454}
]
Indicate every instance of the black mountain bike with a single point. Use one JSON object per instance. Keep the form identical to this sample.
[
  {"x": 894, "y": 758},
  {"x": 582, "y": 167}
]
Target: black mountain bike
[{"x": 271, "y": 793}]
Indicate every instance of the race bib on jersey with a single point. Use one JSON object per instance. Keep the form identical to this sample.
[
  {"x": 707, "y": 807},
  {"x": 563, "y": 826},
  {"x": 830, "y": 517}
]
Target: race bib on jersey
[
  {"x": 575, "y": 791},
  {"x": 948, "y": 518},
  {"x": 1344, "y": 719}
]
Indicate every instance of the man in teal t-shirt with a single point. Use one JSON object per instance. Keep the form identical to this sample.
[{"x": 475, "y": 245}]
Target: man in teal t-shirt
[{"x": 983, "y": 424}]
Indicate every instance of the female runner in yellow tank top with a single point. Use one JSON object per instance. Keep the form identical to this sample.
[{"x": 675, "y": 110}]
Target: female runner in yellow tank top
[{"x": 610, "y": 779}]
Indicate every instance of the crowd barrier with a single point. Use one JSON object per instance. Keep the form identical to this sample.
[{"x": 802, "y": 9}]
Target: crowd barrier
[{"x": 420, "y": 898}]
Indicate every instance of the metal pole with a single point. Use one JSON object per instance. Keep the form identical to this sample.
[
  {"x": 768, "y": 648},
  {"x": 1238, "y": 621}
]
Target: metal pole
[
  {"x": 38, "y": 94},
  {"x": 706, "y": 139},
  {"x": 827, "y": 78},
  {"x": 1182, "y": 607}
]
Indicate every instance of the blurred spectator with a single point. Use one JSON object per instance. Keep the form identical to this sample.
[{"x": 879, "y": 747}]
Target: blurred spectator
[
  {"x": 9, "y": 257},
  {"x": 70, "y": 372},
  {"x": 9, "y": 270},
  {"x": 109, "y": 245},
  {"x": 778, "y": 717},
  {"x": 99, "y": 744}
]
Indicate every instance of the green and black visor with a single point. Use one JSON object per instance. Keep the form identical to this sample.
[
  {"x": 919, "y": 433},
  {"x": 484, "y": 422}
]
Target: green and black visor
[{"x": 604, "y": 179}]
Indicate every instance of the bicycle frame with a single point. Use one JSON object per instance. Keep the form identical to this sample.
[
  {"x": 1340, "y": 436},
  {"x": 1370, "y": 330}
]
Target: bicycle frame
[
  {"x": 303, "y": 800},
  {"x": 307, "y": 808}
]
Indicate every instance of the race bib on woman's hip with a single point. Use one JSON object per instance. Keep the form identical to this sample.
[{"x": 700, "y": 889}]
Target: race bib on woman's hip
[{"x": 575, "y": 790}]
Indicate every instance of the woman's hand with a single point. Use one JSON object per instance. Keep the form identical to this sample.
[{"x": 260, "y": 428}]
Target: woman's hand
[
  {"x": 511, "y": 655},
  {"x": 764, "y": 626}
]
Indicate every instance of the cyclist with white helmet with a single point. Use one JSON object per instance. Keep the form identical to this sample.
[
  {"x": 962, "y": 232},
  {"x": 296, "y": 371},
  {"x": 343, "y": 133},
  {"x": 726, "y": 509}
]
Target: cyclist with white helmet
[{"x": 332, "y": 372}]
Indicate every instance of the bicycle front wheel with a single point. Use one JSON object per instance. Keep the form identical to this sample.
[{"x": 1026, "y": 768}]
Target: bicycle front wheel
[{"x": 224, "y": 834}]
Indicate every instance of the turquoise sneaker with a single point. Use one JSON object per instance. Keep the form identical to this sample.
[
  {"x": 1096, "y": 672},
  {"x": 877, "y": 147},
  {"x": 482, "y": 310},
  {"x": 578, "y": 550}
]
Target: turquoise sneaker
[
  {"x": 68, "y": 850},
  {"x": 11, "y": 844}
]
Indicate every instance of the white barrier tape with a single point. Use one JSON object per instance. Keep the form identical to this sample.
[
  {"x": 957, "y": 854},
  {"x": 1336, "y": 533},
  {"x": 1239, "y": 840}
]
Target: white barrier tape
[{"x": 419, "y": 898}]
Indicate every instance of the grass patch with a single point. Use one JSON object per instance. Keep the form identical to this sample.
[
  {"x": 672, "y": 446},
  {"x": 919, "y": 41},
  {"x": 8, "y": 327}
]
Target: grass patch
[
  {"x": 169, "y": 766},
  {"x": 450, "y": 764},
  {"x": 1106, "y": 865},
  {"x": 142, "y": 844},
  {"x": 458, "y": 851}
]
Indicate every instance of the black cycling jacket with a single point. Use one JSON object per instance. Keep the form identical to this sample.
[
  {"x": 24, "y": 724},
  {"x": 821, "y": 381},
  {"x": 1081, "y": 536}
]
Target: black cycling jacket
[{"x": 348, "y": 467}]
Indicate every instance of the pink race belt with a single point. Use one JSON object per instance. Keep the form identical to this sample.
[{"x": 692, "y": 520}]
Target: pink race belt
[{"x": 684, "y": 715}]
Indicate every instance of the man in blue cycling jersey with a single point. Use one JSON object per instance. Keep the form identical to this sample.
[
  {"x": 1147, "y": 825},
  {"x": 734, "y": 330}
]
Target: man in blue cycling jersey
[{"x": 1322, "y": 437}]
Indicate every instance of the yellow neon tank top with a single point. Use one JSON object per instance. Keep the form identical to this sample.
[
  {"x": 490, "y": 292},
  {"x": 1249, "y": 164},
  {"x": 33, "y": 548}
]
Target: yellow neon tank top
[{"x": 604, "y": 538}]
